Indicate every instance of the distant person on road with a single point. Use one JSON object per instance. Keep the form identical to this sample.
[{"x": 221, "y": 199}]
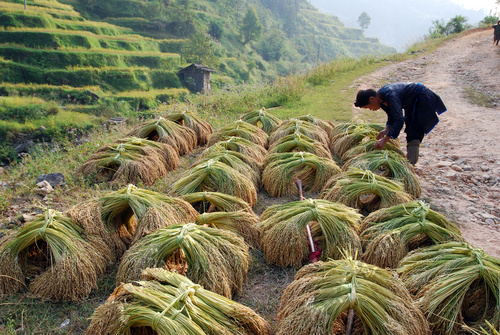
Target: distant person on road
[
  {"x": 421, "y": 109},
  {"x": 496, "y": 32}
]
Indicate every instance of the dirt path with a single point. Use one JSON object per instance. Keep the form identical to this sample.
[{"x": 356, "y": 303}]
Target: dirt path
[{"x": 459, "y": 160}]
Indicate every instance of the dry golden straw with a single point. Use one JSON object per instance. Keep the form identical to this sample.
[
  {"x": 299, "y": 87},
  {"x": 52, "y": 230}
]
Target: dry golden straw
[
  {"x": 242, "y": 223},
  {"x": 333, "y": 226},
  {"x": 168, "y": 303},
  {"x": 321, "y": 295},
  {"x": 52, "y": 252},
  {"x": 214, "y": 176},
  {"x": 281, "y": 171},
  {"x": 131, "y": 160},
  {"x": 216, "y": 259},
  {"x": 364, "y": 190},
  {"x": 183, "y": 139},
  {"x": 457, "y": 286},
  {"x": 202, "y": 128},
  {"x": 388, "y": 164},
  {"x": 240, "y": 129},
  {"x": 262, "y": 119},
  {"x": 390, "y": 233},
  {"x": 135, "y": 212}
]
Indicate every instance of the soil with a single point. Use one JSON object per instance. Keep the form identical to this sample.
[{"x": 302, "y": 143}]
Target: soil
[{"x": 458, "y": 164}]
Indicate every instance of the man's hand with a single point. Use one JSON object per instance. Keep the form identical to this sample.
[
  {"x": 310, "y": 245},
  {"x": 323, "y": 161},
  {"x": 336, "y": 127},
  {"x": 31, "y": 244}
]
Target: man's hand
[
  {"x": 381, "y": 142},
  {"x": 383, "y": 133}
]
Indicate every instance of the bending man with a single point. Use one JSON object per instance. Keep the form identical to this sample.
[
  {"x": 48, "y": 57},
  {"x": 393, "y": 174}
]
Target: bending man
[{"x": 421, "y": 109}]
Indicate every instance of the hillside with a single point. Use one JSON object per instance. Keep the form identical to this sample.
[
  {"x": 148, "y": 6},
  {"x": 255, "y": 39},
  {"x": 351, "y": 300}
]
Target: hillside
[{"x": 92, "y": 60}]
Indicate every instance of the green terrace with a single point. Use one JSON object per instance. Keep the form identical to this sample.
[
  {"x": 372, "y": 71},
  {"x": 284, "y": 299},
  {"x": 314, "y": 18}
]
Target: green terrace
[
  {"x": 54, "y": 11},
  {"x": 109, "y": 78},
  {"x": 89, "y": 58},
  {"x": 58, "y": 38}
]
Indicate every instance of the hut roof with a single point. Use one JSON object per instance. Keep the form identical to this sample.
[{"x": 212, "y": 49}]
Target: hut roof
[{"x": 199, "y": 67}]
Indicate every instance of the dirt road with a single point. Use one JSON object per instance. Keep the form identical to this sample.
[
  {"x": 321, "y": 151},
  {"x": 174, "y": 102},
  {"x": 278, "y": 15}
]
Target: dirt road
[{"x": 459, "y": 160}]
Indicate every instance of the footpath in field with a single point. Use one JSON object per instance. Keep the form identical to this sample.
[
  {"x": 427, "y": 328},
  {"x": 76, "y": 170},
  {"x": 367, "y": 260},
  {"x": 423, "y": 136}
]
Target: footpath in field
[{"x": 459, "y": 160}]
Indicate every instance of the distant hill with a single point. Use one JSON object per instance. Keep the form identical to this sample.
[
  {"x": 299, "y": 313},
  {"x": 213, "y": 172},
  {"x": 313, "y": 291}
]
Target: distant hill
[
  {"x": 397, "y": 23},
  {"x": 89, "y": 59}
]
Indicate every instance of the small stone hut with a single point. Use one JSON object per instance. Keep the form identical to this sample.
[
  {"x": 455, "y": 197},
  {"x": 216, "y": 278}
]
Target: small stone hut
[{"x": 196, "y": 77}]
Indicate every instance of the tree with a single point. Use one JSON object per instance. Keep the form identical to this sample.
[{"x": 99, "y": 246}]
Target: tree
[
  {"x": 251, "y": 28},
  {"x": 364, "y": 20},
  {"x": 272, "y": 45},
  {"x": 454, "y": 26},
  {"x": 199, "y": 49}
]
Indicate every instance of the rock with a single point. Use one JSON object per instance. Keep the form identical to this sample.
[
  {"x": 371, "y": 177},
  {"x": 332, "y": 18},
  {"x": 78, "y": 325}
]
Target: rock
[
  {"x": 24, "y": 147},
  {"x": 444, "y": 164},
  {"x": 455, "y": 157},
  {"x": 65, "y": 323},
  {"x": 452, "y": 175},
  {"x": 54, "y": 179},
  {"x": 26, "y": 218},
  {"x": 484, "y": 168},
  {"x": 467, "y": 168},
  {"x": 490, "y": 222},
  {"x": 472, "y": 210},
  {"x": 456, "y": 168},
  {"x": 486, "y": 176},
  {"x": 461, "y": 161},
  {"x": 44, "y": 188},
  {"x": 42, "y": 128},
  {"x": 116, "y": 120}
]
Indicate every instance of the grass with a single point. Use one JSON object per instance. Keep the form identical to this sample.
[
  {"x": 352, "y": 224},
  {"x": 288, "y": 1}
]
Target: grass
[
  {"x": 479, "y": 98},
  {"x": 12, "y": 6}
]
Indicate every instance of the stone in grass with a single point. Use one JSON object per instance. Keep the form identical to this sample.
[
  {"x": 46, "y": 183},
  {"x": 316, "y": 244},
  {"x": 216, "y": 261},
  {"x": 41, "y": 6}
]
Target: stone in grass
[{"x": 54, "y": 179}]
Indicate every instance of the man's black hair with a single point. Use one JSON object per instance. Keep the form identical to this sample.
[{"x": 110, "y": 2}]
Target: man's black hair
[{"x": 363, "y": 97}]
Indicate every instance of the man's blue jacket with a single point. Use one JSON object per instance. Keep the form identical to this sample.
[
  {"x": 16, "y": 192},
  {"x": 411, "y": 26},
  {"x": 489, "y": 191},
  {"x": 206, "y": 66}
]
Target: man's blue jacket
[{"x": 419, "y": 103}]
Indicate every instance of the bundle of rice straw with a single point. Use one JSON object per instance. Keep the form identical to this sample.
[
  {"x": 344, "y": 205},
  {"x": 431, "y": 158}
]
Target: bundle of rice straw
[
  {"x": 296, "y": 126},
  {"x": 262, "y": 119},
  {"x": 240, "y": 129},
  {"x": 242, "y": 223},
  {"x": 217, "y": 150},
  {"x": 202, "y": 128},
  {"x": 216, "y": 259},
  {"x": 389, "y": 164},
  {"x": 207, "y": 202},
  {"x": 368, "y": 145},
  {"x": 165, "y": 131},
  {"x": 390, "y": 233},
  {"x": 364, "y": 190},
  {"x": 348, "y": 135},
  {"x": 457, "y": 286},
  {"x": 234, "y": 160},
  {"x": 214, "y": 176},
  {"x": 327, "y": 126},
  {"x": 336, "y": 296},
  {"x": 299, "y": 142},
  {"x": 281, "y": 170},
  {"x": 88, "y": 215},
  {"x": 284, "y": 241},
  {"x": 243, "y": 146},
  {"x": 134, "y": 212},
  {"x": 167, "y": 303},
  {"x": 55, "y": 258},
  {"x": 131, "y": 160}
]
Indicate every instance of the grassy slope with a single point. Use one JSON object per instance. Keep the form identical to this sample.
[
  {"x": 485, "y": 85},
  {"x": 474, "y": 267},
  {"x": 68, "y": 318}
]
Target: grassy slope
[{"x": 332, "y": 100}]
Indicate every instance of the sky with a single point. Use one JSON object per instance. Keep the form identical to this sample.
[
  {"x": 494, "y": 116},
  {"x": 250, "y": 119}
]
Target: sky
[{"x": 485, "y": 5}]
